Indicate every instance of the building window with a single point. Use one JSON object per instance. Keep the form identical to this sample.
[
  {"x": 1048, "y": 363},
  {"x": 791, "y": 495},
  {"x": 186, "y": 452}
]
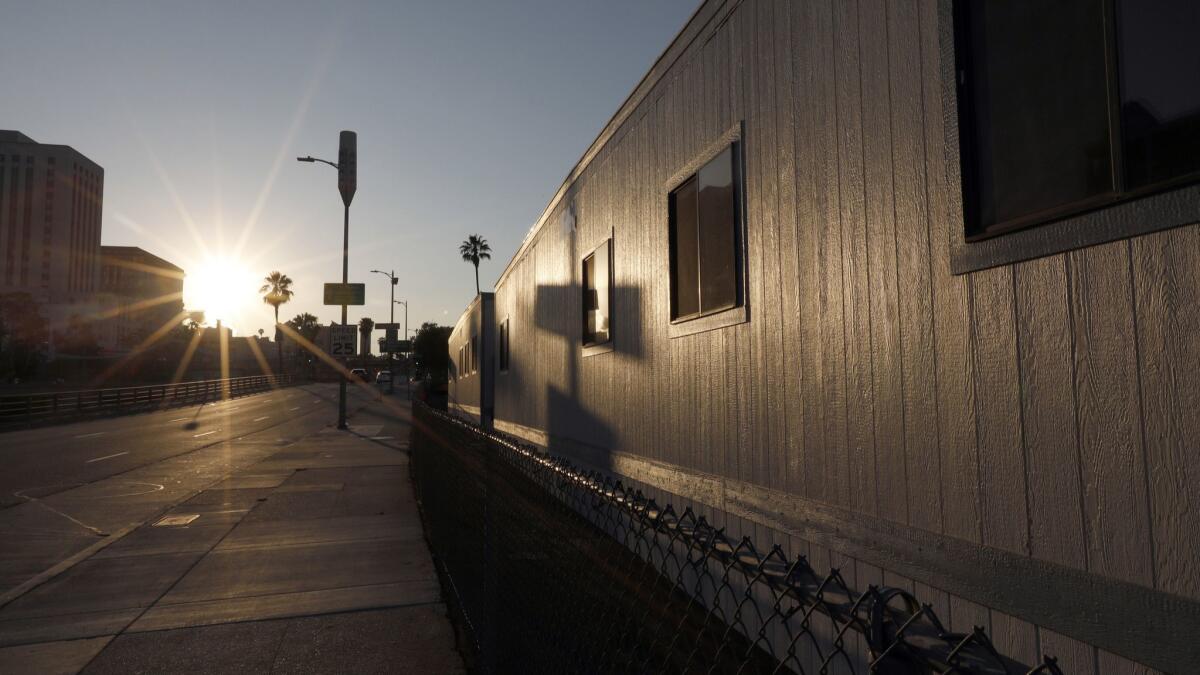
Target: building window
[
  {"x": 597, "y": 295},
  {"x": 704, "y": 240},
  {"x": 1071, "y": 105},
  {"x": 502, "y": 348},
  {"x": 474, "y": 354}
]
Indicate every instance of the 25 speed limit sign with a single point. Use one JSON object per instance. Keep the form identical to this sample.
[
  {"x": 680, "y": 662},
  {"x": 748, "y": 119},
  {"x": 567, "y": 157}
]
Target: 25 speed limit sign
[{"x": 342, "y": 340}]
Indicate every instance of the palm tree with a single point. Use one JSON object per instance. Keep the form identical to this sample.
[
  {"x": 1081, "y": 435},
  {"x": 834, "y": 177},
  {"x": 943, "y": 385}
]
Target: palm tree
[
  {"x": 473, "y": 249},
  {"x": 307, "y": 325},
  {"x": 365, "y": 326},
  {"x": 276, "y": 290}
]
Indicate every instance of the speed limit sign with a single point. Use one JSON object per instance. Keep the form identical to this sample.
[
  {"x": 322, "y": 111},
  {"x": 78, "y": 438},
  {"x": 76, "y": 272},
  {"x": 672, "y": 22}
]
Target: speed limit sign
[{"x": 342, "y": 340}]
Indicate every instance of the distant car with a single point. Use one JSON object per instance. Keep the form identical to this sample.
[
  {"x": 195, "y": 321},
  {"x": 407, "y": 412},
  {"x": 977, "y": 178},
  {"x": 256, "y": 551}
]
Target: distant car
[
  {"x": 383, "y": 377},
  {"x": 360, "y": 373}
]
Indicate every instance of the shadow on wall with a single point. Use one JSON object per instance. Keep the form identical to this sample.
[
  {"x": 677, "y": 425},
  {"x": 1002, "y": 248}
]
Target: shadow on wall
[
  {"x": 573, "y": 430},
  {"x": 557, "y": 310}
]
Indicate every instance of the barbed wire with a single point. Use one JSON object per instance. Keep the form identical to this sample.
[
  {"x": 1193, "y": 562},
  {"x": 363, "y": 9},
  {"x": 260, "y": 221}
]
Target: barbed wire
[{"x": 558, "y": 569}]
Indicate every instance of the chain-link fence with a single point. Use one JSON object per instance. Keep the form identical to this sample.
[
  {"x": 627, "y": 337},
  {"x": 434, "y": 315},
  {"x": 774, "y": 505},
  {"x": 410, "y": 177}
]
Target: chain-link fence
[{"x": 553, "y": 569}]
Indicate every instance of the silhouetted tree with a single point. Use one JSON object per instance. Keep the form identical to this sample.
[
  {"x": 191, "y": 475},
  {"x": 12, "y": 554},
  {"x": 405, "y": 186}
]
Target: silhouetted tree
[
  {"x": 365, "y": 326},
  {"x": 276, "y": 290},
  {"x": 78, "y": 339},
  {"x": 431, "y": 353},
  {"x": 306, "y": 325},
  {"x": 23, "y": 336},
  {"x": 473, "y": 249}
]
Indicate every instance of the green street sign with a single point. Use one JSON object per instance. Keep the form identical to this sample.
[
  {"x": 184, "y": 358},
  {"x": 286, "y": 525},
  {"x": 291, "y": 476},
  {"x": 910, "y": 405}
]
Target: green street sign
[{"x": 345, "y": 294}]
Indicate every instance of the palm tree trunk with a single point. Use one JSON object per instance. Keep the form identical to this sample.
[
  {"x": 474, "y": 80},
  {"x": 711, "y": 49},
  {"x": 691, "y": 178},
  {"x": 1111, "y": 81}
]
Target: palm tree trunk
[
  {"x": 278, "y": 344},
  {"x": 476, "y": 278}
]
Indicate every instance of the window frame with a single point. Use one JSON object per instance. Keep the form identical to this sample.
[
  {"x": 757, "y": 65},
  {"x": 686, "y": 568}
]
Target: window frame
[
  {"x": 734, "y": 136},
  {"x": 503, "y": 355},
  {"x": 594, "y": 348},
  {"x": 1132, "y": 213}
]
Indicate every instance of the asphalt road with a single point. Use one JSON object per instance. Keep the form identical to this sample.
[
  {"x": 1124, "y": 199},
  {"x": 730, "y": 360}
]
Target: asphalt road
[{"x": 41, "y": 462}]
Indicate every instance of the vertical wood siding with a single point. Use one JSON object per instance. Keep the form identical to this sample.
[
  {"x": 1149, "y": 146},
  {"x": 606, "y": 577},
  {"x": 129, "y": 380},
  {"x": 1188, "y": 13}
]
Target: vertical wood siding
[{"x": 1046, "y": 408}]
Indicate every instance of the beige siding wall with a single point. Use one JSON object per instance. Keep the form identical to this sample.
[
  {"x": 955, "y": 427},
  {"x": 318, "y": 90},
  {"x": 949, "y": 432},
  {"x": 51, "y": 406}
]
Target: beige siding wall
[{"x": 1045, "y": 408}]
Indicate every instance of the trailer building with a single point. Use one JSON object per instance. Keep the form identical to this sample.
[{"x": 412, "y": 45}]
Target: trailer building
[{"x": 911, "y": 288}]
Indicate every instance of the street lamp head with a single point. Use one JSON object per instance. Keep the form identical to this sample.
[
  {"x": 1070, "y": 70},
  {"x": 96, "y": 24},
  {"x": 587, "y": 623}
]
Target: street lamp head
[{"x": 306, "y": 159}]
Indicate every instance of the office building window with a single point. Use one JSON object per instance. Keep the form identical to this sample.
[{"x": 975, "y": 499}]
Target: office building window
[
  {"x": 704, "y": 240},
  {"x": 502, "y": 348},
  {"x": 1070, "y": 105},
  {"x": 597, "y": 295}
]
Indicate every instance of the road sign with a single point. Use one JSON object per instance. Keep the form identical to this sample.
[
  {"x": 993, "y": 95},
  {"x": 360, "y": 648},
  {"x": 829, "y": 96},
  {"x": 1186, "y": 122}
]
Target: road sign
[
  {"x": 347, "y": 166},
  {"x": 395, "y": 346},
  {"x": 345, "y": 294},
  {"x": 387, "y": 326},
  {"x": 342, "y": 340}
]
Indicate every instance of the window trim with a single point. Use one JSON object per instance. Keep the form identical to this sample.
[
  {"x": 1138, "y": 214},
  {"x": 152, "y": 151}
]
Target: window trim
[
  {"x": 1142, "y": 212},
  {"x": 609, "y": 345},
  {"x": 504, "y": 349},
  {"x": 739, "y": 313}
]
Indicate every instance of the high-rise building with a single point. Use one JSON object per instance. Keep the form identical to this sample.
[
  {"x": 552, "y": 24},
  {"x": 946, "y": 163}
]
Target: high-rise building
[
  {"x": 50, "y": 204},
  {"x": 140, "y": 294}
]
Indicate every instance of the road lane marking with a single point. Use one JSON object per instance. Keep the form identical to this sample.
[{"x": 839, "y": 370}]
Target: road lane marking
[
  {"x": 382, "y": 438},
  {"x": 177, "y": 419},
  {"x": 291, "y": 409},
  {"x": 98, "y": 433},
  {"x": 259, "y": 419},
  {"x": 206, "y": 433},
  {"x": 100, "y": 459}
]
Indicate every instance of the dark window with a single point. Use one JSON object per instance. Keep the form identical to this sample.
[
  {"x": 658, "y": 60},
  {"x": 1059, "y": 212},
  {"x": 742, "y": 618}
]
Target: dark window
[
  {"x": 502, "y": 348},
  {"x": 1070, "y": 105},
  {"x": 704, "y": 240},
  {"x": 474, "y": 357},
  {"x": 597, "y": 295}
]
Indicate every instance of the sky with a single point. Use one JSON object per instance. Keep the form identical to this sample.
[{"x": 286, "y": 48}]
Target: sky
[{"x": 469, "y": 115}]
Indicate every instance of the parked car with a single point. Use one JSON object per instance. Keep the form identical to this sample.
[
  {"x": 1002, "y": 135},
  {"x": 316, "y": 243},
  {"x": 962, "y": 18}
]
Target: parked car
[
  {"x": 360, "y": 373},
  {"x": 383, "y": 377}
]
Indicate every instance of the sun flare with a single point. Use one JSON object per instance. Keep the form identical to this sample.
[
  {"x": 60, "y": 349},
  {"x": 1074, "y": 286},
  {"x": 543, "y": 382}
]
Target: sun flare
[{"x": 222, "y": 287}]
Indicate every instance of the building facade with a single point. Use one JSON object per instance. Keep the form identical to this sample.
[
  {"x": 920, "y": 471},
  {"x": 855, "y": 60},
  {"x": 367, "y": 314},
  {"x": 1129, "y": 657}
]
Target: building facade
[
  {"x": 140, "y": 294},
  {"x": 909, "y": 288},
  {"x": 470, "y": 384},
  {"x": 51, "y": 198}
]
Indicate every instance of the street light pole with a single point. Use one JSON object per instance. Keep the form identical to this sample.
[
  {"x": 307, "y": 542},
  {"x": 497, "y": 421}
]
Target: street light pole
[
  {"x": 347, "y": 168},
  {"x": 392, "y": 320},
  {"x": 405, "y": 338}
]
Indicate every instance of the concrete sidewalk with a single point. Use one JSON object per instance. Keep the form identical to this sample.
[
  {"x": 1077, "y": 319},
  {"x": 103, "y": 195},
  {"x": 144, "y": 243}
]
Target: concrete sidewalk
[{"x": 311, "y": 560}]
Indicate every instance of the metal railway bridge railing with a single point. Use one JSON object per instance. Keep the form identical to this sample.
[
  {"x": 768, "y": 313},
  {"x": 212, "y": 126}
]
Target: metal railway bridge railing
[{"x": 28, "y": 410}]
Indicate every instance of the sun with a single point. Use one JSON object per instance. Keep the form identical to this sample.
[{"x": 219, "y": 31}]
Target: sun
[{"x": 222, "y": 287}]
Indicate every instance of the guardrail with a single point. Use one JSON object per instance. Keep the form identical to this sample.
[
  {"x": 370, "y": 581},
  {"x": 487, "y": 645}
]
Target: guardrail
[{"x": 26, "y": 410}]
